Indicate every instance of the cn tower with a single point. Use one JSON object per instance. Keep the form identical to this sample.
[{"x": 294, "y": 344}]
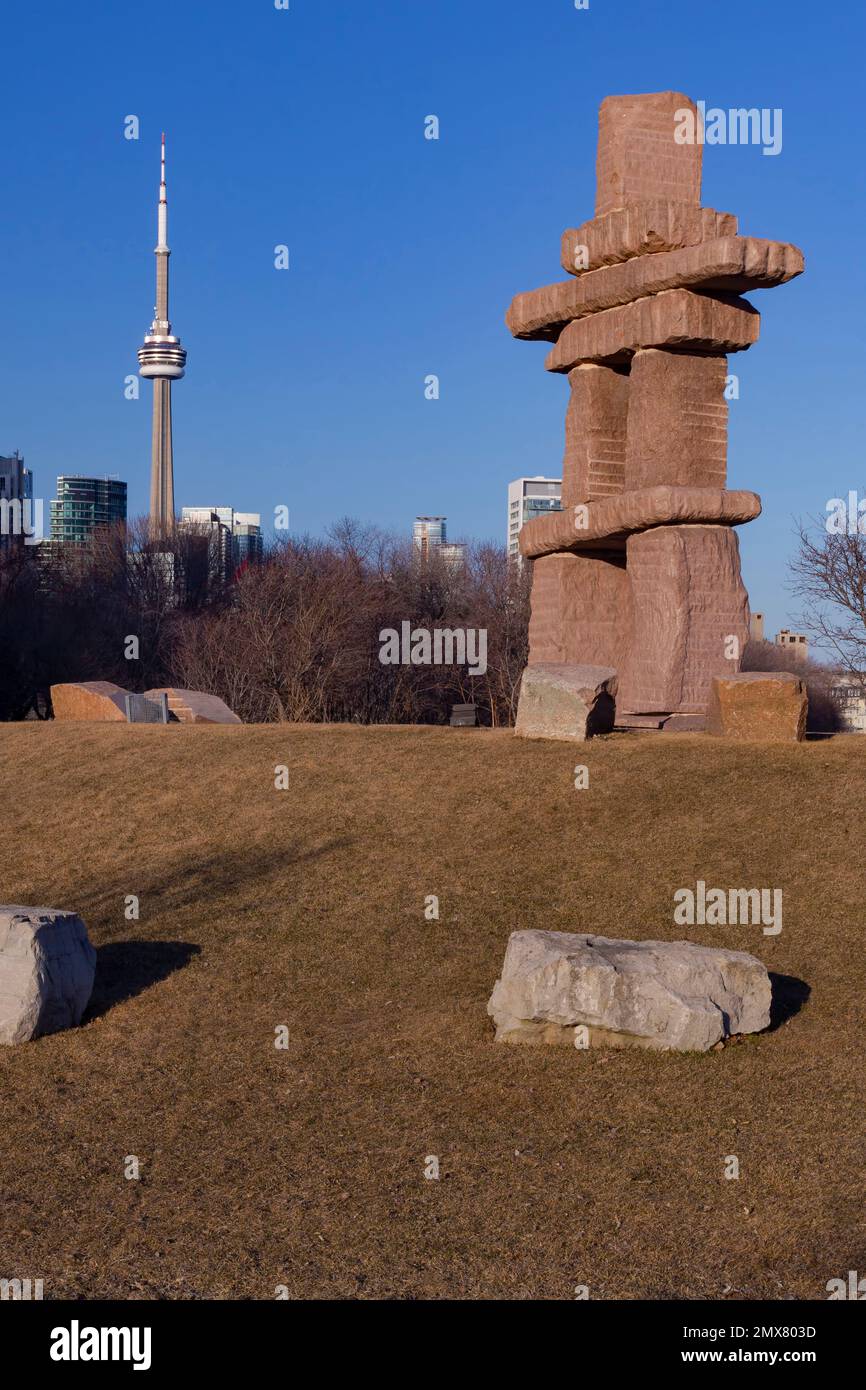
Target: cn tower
[{"x": 163, "y": 360}]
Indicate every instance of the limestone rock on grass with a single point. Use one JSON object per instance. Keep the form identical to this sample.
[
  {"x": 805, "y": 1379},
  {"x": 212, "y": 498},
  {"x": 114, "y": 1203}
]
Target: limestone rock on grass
[
  {"x": 666, "y": 995},
  {"x": 47, "y": 967},
  {"x": 564, "y": 702}
]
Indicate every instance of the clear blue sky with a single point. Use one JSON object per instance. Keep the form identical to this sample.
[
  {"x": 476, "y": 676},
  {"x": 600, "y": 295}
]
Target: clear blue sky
[{"x": 305, "y": 127}]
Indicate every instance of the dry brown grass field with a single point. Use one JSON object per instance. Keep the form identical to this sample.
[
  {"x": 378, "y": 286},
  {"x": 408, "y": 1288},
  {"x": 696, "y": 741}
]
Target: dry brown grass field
[{"x": 304, "y": 1167}]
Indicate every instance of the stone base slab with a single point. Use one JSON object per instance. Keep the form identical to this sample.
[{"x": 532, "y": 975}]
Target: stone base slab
[
  {"x": 685, "y": 724},
  {"x": 663, "y": 723}
]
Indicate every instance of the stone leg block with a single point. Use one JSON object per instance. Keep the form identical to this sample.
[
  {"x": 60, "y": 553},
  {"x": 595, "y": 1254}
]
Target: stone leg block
[
  {"x": 569, "y": 703},
  {"x": 691, "y": 617},
  {"x": 595, "y": 434},
  {"x": 759, "y": 706},
  {"x": 677, "y": 420},
  {"x": 581, "y": 610},
  {"x": 47, "y": 967}
]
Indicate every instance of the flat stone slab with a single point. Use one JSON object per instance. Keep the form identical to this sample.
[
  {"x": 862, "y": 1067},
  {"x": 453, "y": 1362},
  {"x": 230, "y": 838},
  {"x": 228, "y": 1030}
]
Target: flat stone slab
[
  {"x": 47, "y": 968},
  {"x": 565, "y": 702},
  {"x": 758, "y": 707},
  {"x": 102, "y": 701},
  {"x": 730, "y": 265},
  {"x": 611, "y": 519},
  {"x": 645, "y": 228},
  {"x": 666, "y": 995},
  {"x": 685, "y": 724},
  {"x": 674, "y": 318}
]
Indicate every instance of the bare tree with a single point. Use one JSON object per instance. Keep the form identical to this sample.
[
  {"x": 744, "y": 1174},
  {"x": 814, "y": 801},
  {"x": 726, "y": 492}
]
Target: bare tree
[
  {"x": 825, "y": 713},
  {"x": 829, "y": 575},
  {"x": 298, "y": 637}
]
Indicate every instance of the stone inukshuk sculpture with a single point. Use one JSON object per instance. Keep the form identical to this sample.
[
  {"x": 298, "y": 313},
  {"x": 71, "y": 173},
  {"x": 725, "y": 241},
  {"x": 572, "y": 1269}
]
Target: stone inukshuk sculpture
[{"x": 640, "y": 571}]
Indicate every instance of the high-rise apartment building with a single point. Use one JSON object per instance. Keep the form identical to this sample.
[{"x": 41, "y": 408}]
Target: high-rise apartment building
[
  {"x": 17, "y": 520},
  {"x": 528, "y": 498},
  {"x": 84, "y": 503},
  {"x": 428, "y": 533},
  {"x": 234, "y": 538},
  {"x": 248, "y": 539},
  {"x": 429, "y": 536},
  {"x": 453, "y": 554},
  {"x": 796, "y": 642}
]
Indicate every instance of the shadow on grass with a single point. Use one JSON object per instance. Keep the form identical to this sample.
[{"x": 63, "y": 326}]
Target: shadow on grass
[
  {"x": 789, "y": 996},
  {"x": 127, "y": 968},
  {"x": 181, "y": 882}
]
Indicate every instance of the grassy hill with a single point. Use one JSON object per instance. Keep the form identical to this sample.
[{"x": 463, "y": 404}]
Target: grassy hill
[{"x": 304, "y": 1167}]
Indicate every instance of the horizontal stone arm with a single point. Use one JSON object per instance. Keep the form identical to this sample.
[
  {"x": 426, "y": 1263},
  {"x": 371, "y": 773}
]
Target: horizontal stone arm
[
  {"x": 610, "y": 520},
  {"x": 674, "y": 319},
  {"x": 644, "y": 228},
  {"x": 732, "y": 265}
]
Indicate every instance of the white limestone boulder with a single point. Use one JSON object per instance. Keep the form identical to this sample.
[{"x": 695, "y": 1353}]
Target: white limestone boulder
[
  {"x": 566, "y": 702},
  {"x": 47, "y": 967},
  {"x": 670, "y": 995}
]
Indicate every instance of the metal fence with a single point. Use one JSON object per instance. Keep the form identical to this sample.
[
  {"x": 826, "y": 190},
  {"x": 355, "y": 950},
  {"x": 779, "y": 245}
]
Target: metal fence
[{"x": 141, "y": 710}]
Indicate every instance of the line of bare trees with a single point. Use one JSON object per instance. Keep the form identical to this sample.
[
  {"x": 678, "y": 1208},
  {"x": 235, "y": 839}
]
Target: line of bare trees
[
  {"x": 293, "y": 638},
  {"x": 297, "y": 637}
]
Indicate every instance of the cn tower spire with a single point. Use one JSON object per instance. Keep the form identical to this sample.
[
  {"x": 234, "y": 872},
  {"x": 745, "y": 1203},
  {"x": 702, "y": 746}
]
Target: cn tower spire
[
  {"x": 162, "y": 216},
  {"x": 162, "y": 359}
]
